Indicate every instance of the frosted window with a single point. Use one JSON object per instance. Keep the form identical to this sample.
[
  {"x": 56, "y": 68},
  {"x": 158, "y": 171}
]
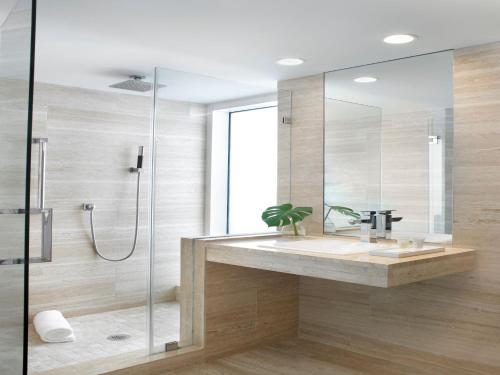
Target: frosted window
[{"x": 253, "y": 160}]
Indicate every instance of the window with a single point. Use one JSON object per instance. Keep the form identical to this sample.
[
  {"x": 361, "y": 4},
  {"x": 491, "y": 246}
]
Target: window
[{"x": 252, "y": 168}]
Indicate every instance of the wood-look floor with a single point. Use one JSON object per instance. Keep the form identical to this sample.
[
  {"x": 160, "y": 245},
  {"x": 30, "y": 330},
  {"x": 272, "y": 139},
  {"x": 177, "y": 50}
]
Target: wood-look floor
[{"x": 297, "y": 357}]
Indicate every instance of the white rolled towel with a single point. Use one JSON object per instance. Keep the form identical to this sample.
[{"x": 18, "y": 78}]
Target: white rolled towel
[{"x": 52, "y": 327}]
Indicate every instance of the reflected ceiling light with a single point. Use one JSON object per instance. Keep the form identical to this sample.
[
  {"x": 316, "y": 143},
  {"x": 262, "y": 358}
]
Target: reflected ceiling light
[
  {"x": 290, "y": 61},
  {"x": 400, "y": 38},
  {"x": 365, "y": 79}
]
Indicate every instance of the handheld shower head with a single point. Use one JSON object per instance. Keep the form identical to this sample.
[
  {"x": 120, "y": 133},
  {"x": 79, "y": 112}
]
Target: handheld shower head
[{"x": 140, "y": 155}]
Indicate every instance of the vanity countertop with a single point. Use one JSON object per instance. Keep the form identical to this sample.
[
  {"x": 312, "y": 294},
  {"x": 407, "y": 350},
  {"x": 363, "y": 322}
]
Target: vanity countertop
[{"x": 358, "y": 267}]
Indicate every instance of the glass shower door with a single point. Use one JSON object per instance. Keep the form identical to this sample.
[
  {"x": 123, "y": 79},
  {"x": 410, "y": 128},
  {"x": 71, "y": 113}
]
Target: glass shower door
[
  {"x": 15, "y": 93},
  {"x": 190, "y": 183}
]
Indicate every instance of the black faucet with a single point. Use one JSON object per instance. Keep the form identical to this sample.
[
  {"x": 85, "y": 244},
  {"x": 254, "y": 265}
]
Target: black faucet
[{"x": 384, "y": 223}]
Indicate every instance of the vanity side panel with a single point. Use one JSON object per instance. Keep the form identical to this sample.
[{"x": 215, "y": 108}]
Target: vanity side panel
[{"x": 247, "y": 307}]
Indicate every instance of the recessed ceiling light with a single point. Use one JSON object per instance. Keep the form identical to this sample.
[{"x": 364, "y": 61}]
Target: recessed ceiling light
[
  {"x": 400, "y": 38},
  {"x": 290, "y": 61},
  {"x": 365, "y": 79}
]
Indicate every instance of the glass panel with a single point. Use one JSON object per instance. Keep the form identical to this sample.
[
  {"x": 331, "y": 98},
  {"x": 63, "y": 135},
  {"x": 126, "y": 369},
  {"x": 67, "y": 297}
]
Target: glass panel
[
  {"x": 408, "y": 152},
  {"x": 15, "y": 37},
  {"x": 191, "y": 182}
]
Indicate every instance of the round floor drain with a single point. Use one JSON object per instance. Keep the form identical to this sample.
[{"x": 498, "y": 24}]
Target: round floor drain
[{"x": 118, "y": 337}]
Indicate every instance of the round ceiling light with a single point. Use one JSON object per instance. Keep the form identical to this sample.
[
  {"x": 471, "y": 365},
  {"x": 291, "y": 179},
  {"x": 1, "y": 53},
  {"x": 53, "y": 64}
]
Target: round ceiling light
[
  {"x": 399, "y": 38},
  {"x": 290, "y": 61},
  {"x": 365, "y": 79}
]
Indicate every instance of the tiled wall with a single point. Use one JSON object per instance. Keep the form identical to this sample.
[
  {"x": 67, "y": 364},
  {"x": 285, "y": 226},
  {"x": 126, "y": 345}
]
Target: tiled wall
[
  {"x": 93, "y": 140},
  {"x": 449, "y": 325},
  {"x": 306, "y": 146}
]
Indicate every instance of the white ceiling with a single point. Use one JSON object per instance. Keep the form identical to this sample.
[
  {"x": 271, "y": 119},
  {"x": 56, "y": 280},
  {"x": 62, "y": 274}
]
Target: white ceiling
[
  {"x": 94, "y": 43},
  {"x": 177, "y": 85}
]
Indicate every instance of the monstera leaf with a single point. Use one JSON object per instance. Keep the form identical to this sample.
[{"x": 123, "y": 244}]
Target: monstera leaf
[
  {"x": 346, "y": 211},
  {"x": 285, "y": 214}
]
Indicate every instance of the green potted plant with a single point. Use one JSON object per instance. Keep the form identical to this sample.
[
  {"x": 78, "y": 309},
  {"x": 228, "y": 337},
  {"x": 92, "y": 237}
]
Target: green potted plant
[{"x": 284, "y": 215}]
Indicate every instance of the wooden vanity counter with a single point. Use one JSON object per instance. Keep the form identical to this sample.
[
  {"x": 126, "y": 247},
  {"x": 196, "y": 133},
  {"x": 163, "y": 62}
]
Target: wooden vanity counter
[{"x": 359, "y": 268}]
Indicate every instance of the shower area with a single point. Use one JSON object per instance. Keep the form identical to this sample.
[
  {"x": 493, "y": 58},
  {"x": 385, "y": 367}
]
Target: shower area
[
  {"x": 117, "y": 177},
  {"x": 126, "y": 177}
]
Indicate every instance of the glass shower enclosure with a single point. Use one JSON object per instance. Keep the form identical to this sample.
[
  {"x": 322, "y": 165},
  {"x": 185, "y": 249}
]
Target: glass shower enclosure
[
  {"x": 184, "y": 193},
  {"x": 16, "y": 96},
  {"x": 190, "y": 183},
  {"x": 143, "y": 303}
]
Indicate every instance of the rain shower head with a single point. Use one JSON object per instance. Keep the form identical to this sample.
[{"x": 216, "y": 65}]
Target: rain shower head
[{"x": 135, "y": 83}]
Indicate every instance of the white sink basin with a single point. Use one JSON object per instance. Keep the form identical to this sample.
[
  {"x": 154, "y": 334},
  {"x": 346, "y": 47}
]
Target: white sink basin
[{"x": 330, "y": 246}]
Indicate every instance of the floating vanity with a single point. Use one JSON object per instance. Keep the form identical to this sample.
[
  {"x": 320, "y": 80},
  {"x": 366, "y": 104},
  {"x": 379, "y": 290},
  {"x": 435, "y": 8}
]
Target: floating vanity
[
  {"x": 339, "y": 259},
  {"x": 247, "y": 289}
]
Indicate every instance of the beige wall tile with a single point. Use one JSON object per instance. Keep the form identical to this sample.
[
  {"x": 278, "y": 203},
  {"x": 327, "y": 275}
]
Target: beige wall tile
[
  {"x": 93, "y": 139},
  {"x": 448, "y": 325},
  {"x": 306, "y": 144}
]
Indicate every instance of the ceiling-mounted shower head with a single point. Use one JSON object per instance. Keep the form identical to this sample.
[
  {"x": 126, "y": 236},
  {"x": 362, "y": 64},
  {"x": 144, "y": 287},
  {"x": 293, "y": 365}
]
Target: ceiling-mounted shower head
[{"x": 135, "y": 83}]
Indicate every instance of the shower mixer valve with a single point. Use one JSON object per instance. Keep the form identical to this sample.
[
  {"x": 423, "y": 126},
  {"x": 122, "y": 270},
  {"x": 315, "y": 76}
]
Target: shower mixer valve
[{"x": 88, "y": 206}]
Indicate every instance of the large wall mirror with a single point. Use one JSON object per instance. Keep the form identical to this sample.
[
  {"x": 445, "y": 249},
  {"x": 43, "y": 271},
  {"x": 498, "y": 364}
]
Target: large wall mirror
[{"x": 389, "y": 145}]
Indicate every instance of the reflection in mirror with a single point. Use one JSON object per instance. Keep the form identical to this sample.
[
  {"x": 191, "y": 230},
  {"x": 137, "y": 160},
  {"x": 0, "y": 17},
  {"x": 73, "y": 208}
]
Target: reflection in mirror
[
  {"x": 353, "y": 134},
  {"x": 389, "y": 145}
]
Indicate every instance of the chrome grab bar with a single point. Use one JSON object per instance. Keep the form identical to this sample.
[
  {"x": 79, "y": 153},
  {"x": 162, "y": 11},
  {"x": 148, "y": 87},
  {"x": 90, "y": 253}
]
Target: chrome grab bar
[
  {"x": 46, "y": 213},
  {"x": 42, "y": 157},
  {"x": 46, "y": 255}
]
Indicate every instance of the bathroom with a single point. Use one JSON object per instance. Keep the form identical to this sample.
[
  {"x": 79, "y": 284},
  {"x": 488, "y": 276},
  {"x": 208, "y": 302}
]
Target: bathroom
[{"x": 142, "y": 143}]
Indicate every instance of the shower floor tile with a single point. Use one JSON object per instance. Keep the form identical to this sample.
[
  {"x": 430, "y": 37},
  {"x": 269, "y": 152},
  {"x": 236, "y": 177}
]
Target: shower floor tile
[{"x": 91, "y": 332}]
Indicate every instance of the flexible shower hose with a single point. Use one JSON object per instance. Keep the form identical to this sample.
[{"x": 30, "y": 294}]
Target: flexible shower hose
[{"x": 94, "y": 242}]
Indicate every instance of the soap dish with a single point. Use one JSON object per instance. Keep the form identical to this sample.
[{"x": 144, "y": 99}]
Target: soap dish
[{"x": 403, "y": 253}]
